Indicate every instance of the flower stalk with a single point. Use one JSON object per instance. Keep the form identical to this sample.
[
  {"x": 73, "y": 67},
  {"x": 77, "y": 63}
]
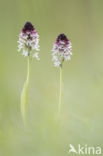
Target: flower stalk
[
  {"x": 60, "y": 91},
  {"x": 25, "y": 93}
]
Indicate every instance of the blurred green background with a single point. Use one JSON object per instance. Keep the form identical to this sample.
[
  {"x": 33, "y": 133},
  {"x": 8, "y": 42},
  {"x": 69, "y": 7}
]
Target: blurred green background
[{"x": 81, "y": 120}]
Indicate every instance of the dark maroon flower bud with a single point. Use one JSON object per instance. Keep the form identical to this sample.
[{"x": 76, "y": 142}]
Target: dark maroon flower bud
[
  {"x": 62, "y": 37},
  {"x": 28, "y": 27}
]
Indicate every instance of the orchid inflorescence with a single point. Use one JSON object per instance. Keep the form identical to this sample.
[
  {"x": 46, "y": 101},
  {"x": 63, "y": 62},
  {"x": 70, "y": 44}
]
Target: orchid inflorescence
[
  {"x": 29, "y": 41},
  {"x": 61, "y": 50}
]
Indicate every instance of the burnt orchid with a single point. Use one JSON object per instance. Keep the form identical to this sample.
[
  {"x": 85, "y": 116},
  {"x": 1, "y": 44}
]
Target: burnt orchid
[
  {"x": 29, "y": 41},
  {"x": 61, "y": 52},
  {"x": 29, "y": 45}
]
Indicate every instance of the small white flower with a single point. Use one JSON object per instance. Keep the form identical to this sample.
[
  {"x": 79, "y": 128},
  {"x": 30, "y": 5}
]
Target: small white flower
[
  {"x": 25, "y": 53},
  {"x": 54, "y": 58},
  {"x": 67, "y": 57},
  {"x": 57, "y": 63},
  {"x": 36, "y": 56}
]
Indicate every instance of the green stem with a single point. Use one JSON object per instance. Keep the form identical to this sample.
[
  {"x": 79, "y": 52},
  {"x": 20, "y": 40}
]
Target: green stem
[
  {"x": 61, "y": 90},
  {"x": 25, "y": 92}
]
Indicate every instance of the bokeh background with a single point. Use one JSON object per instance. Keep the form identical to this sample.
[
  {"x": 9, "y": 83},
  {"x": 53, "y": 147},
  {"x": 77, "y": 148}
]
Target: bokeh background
[{"x": 81, "y": 121}]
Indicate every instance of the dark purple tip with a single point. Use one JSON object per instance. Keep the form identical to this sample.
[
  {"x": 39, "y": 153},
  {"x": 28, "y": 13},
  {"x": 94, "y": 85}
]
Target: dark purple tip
[
  {"x": 62, "y": 37},
  {"x": 28, "y": 27}
]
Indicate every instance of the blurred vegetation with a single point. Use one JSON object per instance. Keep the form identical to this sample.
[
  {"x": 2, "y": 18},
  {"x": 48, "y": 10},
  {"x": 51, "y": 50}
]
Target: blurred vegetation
[{"x": 82, "y": 114}]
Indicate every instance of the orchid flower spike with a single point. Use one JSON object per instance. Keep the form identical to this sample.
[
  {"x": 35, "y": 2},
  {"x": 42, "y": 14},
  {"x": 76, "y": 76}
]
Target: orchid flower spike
[
  {"x": 29, "y": 41},
  {"x": 61, "y": 50}
]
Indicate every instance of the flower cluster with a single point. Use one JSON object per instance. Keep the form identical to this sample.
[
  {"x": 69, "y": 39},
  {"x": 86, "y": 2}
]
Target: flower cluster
[
  {"x": 29, "y": 41},
  {"x": 61, "y": 50}
]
